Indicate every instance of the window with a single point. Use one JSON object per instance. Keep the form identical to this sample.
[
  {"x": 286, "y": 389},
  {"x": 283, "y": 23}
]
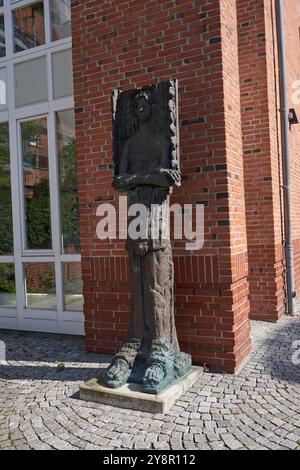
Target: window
[
  {"x": 3, "y": 90},
  {"x": 69, "y": 206},
  {"x": 73, "y": 297},
  {"x": 60, "y": 19},
  {"x": 36, "y": 184},
  {"x": 2, "y": 37},
  {"x": 6, "y": 223},
  {"x": 62, "y": 74},
  {"x": 29, "y": 27},
  {"x": 31, "y": 83},
  {"x": 7, "y": 286},
  {"x": 40, "y": 263},
  {"x": 40, "y": 286}
]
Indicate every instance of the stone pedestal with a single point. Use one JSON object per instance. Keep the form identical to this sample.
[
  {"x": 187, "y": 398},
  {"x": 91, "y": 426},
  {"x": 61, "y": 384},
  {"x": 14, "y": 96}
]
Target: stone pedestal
[{"x": 131, "y": 397}]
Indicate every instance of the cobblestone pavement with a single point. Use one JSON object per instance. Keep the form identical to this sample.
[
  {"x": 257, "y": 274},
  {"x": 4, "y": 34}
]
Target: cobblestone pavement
[{"x": 40, "y": 409}]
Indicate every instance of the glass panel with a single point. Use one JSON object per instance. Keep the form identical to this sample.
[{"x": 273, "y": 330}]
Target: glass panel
[
  {"x": 6, "y": 224},
  {"x": 69, "y": 206},
  {"x": 1, "y": 3},
  {"x": 3, "y": 93},
  {"x": 31, "y": 83},
  {"x": 2, "y": 37},
  {"x": 29, "y": 27},
  {"x": 40, "y": 286},
  {"x": 36, "y": 184},
  {"x": 62, "y": 74},
  {"x": 73, "y": 287},
  {"x": 61, "y": 19},
  {"x": 7, "y": 286}
]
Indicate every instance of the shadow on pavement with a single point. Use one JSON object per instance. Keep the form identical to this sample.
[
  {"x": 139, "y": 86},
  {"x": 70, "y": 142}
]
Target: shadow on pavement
[
  {"x": 35, "y": 356},
  {"x": 39, "y": 356}
]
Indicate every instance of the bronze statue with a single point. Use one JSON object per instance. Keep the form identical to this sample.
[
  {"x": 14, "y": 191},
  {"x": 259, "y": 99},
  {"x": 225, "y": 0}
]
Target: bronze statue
[{"x": 147, "y": 168}]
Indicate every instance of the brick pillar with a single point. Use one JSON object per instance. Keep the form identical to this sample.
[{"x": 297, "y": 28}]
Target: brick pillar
[
  {"x": 132, "y": 44},
  {"x": 262, "y": 156},
  {"x": 292, "y": 24}
]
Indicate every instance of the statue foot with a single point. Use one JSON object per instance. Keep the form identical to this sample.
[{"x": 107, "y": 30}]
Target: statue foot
[
  {"x": 116, "y": 375},
  {"x": 153, "y": 378}
]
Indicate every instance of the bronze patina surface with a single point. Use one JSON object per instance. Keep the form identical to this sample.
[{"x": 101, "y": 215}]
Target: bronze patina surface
[{"x": 146, "y": 155}]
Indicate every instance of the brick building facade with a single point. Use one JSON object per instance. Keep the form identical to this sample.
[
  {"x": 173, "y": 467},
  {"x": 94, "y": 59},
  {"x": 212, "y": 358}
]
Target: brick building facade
[{"x": 224, "y": 55}]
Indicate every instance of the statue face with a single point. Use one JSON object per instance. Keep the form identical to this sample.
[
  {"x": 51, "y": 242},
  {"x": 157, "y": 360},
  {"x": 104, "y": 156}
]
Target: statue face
[{"x": 143, "y": 110}]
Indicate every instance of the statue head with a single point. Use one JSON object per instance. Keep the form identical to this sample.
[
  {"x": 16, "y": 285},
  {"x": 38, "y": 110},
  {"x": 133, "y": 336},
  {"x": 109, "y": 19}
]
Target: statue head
[{"x": 143, "y": 106}]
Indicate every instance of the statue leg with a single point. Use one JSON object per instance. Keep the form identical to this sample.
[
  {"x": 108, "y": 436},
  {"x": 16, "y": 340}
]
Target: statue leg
[
  {"x": 158, "y": 285},
  {"x": 120, "y": 368},
  {"x": 136, "y": 324},
  {"x": 159, "y": 313}
]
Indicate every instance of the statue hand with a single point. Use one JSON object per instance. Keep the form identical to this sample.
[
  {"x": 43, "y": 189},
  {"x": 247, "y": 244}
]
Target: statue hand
[
  {"x": 131, "y": 182},
  {"x": 123, "y": 183},
  {"x": 173, "y": 177},
  {"x": 118, "y": 182}
]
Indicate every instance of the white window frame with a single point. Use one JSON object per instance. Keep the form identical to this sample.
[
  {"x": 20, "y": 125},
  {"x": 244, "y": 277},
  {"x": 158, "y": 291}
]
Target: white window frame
[{"x": 21, "y": 318}]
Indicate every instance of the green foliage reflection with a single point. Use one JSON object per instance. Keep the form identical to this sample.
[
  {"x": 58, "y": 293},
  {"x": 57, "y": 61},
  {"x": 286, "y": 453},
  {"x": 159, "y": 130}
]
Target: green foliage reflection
[{"x": 6, "y": 227}]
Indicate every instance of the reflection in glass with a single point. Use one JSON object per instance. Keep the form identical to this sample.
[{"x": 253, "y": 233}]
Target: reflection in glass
[
  {"x": 60, "y": 19},
  {"x": 7, "y": 286},
  {"x": 2, "y": 37},
  {"x": 6, "y": 225},
  {"x": 73, "y": 288},
  {"x": 40, "y": 286},
  {"x": 69, "y": 206},
  {"x": 29, "y": 27},
  {"x": 36, "y": 184}
]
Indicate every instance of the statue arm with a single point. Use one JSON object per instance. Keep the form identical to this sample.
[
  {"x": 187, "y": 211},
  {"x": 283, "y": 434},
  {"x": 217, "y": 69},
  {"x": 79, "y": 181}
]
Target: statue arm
[
  {"x": 163, "y": 176},
  {"x": 124, "y": 160},
  {"x": 172, "y": 176},
  {"x": 125, "y": 181},
  {"x": 160, "y": 177},
  {"x": 120, "y": 181}
]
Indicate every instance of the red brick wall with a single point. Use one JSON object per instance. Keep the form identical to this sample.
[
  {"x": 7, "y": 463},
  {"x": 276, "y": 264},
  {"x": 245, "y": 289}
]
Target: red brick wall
[
  {"x": 276, "y": 156},
  {"x": 292, "y": 25},
  {"x": 132, "y": 44},
  {"x": 262, "y": 191},
  {"x": 260, "y": 102}
]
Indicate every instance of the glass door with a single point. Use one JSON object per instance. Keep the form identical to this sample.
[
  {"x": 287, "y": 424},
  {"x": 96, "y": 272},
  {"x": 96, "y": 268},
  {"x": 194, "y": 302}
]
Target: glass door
[
  {"x": 8, "y": 300},
  {"x": 38, "y": 254},
  {"x": 40, "y": 262},
  {"x": 50, "y": 267}
]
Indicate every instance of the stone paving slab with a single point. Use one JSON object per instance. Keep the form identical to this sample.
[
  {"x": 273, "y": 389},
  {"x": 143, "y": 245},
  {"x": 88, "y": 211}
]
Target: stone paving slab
[{"x": 40, "y": 406}]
